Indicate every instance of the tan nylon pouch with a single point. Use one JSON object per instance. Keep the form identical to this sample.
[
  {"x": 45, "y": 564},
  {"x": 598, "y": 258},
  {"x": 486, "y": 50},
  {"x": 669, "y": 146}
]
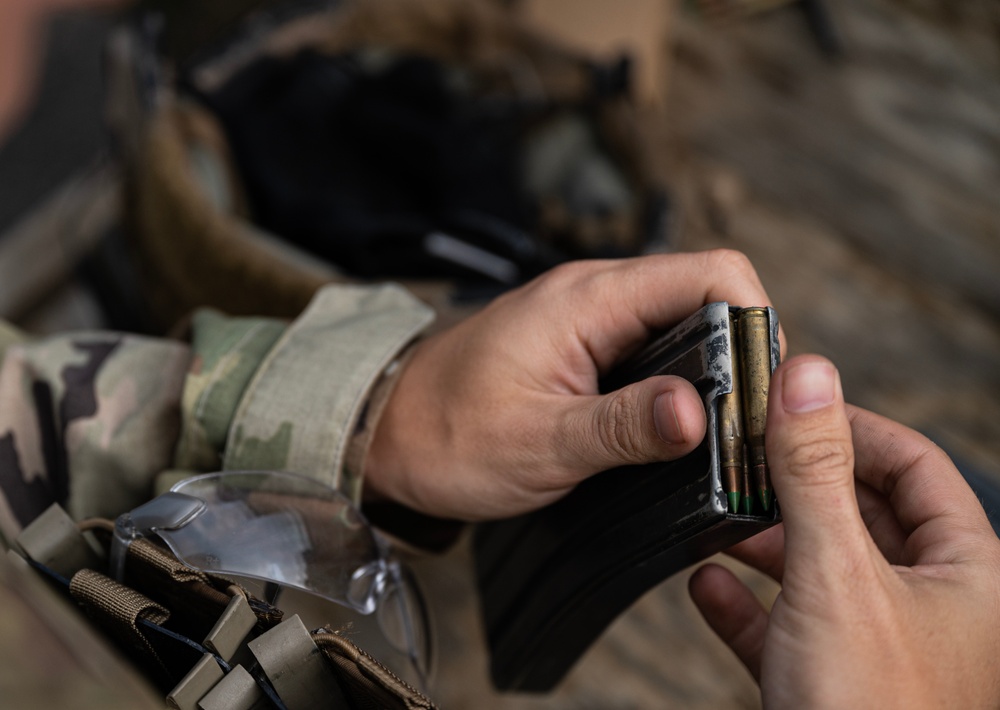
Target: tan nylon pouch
[
  {"x": 155, "y": 571},
  {"x": 368, "y": 684},
  {"x": 171, "y": 585}
]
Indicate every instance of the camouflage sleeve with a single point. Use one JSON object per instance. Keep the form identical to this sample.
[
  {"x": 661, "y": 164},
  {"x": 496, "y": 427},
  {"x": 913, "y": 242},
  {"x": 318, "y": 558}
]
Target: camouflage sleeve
[
  {"x": 89, "y": 420},
  {"x": 85, "y": 420},
  {"x": 308, "y": 397}
]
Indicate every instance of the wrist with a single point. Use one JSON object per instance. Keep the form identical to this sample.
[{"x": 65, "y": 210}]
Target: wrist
[{"x": 366, "y": 448}]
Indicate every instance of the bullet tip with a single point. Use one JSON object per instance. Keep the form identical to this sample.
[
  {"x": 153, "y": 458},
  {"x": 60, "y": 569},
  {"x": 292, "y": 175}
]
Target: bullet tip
[
  {"x": 734, "y": 501},
  {"x": 765, "y": 499}
]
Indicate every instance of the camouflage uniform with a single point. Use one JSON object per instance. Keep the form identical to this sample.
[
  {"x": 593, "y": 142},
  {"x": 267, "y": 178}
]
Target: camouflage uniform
[{"x": 90, "y": 420}]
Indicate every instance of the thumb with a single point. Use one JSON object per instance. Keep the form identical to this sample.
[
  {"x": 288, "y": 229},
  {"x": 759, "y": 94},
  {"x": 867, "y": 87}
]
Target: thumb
[
  {"x": 811, "y": 457},
  {"x": 658, "y": 419}
]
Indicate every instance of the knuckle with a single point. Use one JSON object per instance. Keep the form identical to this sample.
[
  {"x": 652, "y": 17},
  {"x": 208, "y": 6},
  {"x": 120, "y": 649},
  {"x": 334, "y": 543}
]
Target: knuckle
[
  {"x": 933, "y": 453},
  {"x": 587, "y": 281},
  {"x": 568, "y": 272},
  {"x": 822, "y": 460},
  {"x": 732, "y": 262},
  {"x": 562, "y": 279},
  {"x": 619, "y": 428}
]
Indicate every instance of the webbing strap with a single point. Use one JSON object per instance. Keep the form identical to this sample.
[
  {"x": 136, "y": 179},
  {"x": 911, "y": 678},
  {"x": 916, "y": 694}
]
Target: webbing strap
[
  {"x": 117, "y": 608},
  {"x": 155, "y": 557},
  {"x": 156, "y": 570}
]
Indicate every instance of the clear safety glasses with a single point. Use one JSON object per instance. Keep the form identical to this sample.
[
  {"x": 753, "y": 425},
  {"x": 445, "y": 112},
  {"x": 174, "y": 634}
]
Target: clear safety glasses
[{"x": 286, "y": 529}]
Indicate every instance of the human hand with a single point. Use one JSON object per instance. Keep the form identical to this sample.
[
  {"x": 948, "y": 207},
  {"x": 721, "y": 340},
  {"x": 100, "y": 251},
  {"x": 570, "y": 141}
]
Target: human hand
[
  {"x": 889, "y": 569},
  {"x": 501, "y": 414}
]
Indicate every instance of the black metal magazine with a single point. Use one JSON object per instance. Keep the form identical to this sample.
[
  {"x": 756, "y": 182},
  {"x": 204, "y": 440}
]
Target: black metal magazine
[{"x": 551, "y": 581}]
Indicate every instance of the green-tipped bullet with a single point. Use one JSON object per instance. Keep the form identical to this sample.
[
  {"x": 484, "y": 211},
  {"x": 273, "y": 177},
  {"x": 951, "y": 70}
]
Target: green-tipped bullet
[
  {"x": 734, "y": 501},
  {"x": 753, "y": 328},
  {"x": 765, "y": 495}
]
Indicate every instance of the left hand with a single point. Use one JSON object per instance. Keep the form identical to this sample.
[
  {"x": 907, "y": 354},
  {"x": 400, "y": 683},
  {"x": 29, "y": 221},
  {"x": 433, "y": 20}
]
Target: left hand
[
  {"x": 889, "y": 568},
  {"x": 501, "y": 414}
]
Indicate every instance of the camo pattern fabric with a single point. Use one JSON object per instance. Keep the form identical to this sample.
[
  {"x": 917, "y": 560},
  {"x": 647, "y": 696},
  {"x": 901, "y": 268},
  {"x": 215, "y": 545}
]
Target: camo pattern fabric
[
  {"x": 308, "y": 396},
  {"x": 226, "y": 354},
  {"x": 85, "y": 420},
  {"x": 89, "y": 420}
]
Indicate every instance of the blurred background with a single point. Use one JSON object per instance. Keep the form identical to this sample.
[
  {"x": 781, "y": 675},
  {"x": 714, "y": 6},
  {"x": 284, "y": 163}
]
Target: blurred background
[{"x": 850, "y": 149}]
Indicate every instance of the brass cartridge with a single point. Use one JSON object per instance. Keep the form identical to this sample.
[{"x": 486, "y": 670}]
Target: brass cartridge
[
  {"x": 746, "y": 490},
  {"x": 754, "y": 337},
  {"x": 731, "y": 459}
]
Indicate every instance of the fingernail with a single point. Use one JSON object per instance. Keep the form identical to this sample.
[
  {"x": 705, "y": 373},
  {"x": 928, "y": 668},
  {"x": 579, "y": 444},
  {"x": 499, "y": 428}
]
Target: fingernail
[
  {"x": 665, "y": 418},
  {"x": 808, "y": 386}
]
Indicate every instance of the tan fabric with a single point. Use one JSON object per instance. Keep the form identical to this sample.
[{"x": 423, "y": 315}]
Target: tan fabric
[
  {"x": 89, "y": 420},
  {"x": 52, "y": 658},
  {"x": 310, "y": 390},
  {"x": 193, "y": 593},
  {"x": 226, "y": 354},
  {"x": 192, "y": 252},
  {"x": 120, "y": 603},
  {"x": 86, "y": 420},
  {"x": 117, "y": 609},
  {"x": 368, "y": 683}
]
